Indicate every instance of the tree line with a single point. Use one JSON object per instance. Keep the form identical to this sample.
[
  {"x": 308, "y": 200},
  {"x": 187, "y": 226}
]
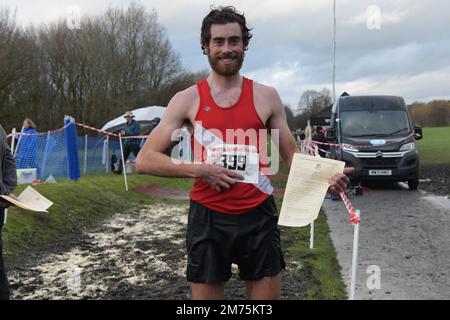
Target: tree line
[
  {"x": 116, "y": 61},
  {"x": 432, "y": 114},
  {"x": 435, "y": 113}
]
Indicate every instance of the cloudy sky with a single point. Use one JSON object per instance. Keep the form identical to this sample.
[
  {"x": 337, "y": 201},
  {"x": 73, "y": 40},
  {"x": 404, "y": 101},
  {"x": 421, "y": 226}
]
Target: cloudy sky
[{"x": 396, "y": 47}]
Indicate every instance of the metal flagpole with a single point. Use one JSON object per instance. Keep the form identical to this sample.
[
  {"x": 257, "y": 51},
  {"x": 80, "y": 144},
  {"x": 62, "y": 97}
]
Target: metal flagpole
[
  {"x": 124, "y": 169},
  {"x": 334, "y": 51}
]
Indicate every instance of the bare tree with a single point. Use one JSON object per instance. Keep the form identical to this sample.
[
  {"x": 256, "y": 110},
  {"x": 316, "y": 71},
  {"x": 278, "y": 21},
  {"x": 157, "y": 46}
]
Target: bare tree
[
  {"x": 312, "y": 102},
  {"x": 116, "y": 61}
]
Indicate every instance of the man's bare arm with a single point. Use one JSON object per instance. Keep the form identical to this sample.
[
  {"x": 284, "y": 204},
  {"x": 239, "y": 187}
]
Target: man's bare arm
[
  {"x": 287, "y": 145},
  {"x": 152, "y": 160}
]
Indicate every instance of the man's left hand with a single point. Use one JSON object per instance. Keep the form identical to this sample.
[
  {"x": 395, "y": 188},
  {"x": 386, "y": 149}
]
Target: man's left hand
[
  {"x": 339, "y": 182},
  {"x": 4, "y": 203}
]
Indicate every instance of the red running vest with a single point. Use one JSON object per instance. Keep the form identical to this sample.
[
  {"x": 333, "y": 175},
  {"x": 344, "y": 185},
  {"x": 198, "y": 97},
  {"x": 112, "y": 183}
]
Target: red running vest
[{"x": 211, "y": 124}]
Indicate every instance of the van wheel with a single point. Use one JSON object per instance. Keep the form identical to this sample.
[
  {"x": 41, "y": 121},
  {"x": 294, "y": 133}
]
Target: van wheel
[{"x": 413, "y": 184}]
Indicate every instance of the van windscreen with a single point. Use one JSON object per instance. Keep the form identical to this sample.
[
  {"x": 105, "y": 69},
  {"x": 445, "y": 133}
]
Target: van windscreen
[{"x": 361, "y": 123}]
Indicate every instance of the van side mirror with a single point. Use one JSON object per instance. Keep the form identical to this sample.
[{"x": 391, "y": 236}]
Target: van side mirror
[
  {"x": 331, "y": 134},
  {"x": 418, "y": 133}
]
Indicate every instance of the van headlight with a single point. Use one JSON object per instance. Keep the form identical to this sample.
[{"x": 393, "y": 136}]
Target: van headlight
[
  {"x": 408, "y": 146},
  {"x": 349, "y": 147}
]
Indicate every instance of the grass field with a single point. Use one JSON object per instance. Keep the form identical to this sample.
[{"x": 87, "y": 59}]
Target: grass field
[
  {"x": 434, "y": 148},
  {"x": 84, "y": 204}
]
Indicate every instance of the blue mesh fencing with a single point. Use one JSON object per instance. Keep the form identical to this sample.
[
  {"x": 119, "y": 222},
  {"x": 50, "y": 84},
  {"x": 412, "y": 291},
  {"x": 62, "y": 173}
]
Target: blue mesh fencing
[
  {"x": 99, "y": 153},
  {"x": 44, "y": 151},
  {"x": 47, "y": 153}
]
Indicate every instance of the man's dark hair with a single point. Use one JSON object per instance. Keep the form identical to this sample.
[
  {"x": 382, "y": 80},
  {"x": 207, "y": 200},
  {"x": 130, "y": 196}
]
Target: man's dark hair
[{"x": 223, "y": 15}]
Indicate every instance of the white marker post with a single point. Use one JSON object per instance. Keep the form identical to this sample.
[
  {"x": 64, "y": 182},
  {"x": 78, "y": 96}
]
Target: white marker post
[
  {"x": 107, "y": 153},
  {"x": 354, "y": 260},
  {"x": 311, "y": 236},
  {"x": 13, "y": 140},
  {"x": 85, "y": 152},
  {"x": 18, "y": 144},
  {"x": 355, "y": 218},
  {"x": 311, "y": 231},
  {"x": 124, "y": 169}
]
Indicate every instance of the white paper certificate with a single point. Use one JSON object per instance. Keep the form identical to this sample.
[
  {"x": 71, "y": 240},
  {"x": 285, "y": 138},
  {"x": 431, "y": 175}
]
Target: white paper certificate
[
  {"x": 243, "y": 159},
  {"x": 306, "y": 188},
  {"x": 30, "y": 200}
]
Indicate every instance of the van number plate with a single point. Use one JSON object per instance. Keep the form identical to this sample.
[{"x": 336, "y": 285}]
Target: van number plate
[{"x": 380, "y": 172}]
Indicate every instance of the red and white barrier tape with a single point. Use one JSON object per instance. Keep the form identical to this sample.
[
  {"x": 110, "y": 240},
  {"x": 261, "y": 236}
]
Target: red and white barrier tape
[
  {"x": 109, "y": 133},
  {"x": 38, "y": 133},
  {"x": 354, "y": 214},
  {"x": 313, "y": 144},
  {"x": 359, "y": 146},
  {"x": 95, "y": 129},
  {"x": 134, "y": 137}
]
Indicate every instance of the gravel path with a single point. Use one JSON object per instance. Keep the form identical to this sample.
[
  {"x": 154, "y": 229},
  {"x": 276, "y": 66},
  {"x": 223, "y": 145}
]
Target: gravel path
[{"x": 406, "y": 234}]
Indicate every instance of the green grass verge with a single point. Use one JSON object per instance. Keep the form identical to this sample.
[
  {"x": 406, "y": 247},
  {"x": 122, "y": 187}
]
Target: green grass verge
[
  {"x": 84, "y": 204},
  {"x": 317, "y": 268},
  {"x": 434, "y": 148}
]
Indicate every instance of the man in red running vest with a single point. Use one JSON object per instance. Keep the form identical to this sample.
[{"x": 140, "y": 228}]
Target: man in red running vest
[{"x": 232, "y": 215}]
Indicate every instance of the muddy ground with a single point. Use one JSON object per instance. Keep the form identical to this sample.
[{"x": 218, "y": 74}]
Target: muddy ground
[
  {"x": 435, "y": 179},
  {"x": 124, "y": 260}
]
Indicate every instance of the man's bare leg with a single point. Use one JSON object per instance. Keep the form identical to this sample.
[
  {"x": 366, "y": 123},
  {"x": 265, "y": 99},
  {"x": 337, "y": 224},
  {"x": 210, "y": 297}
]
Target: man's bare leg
[
  {"x": 207, "y": 291},
  {"x": 267, "y": 288}
]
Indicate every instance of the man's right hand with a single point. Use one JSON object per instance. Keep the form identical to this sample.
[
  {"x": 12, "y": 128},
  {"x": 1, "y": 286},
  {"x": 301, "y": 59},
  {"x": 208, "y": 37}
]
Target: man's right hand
[{"x": 217, "y": 177}]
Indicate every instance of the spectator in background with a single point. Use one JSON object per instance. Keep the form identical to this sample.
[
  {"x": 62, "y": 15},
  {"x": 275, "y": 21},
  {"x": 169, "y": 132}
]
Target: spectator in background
[
  {"x": 8, "y": 181},
  {"x": 300, "y": 134},
  {"x": 132, "y": 145},
  {"x": 320, "y": 137},
  {"x": 27, "y": 146},
  {"x": 153, "y": 125}
]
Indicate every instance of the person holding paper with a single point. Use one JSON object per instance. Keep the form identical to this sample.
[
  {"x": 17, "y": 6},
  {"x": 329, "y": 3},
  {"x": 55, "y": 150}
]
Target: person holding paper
[
  {"x": 8, "y": 182},
  {"x": 232, "y": 215}
]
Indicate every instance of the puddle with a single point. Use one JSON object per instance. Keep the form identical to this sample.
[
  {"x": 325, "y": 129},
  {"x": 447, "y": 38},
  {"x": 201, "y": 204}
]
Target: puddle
[{"x": 439, "y": 201}]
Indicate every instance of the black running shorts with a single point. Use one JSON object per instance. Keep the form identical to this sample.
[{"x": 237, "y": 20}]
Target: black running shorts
[{"x": 216, "y": 240}]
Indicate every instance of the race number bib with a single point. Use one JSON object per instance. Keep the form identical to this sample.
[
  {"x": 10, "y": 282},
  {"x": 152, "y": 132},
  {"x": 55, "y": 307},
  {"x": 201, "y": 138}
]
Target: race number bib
[{"x": 242, "y": 159}]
